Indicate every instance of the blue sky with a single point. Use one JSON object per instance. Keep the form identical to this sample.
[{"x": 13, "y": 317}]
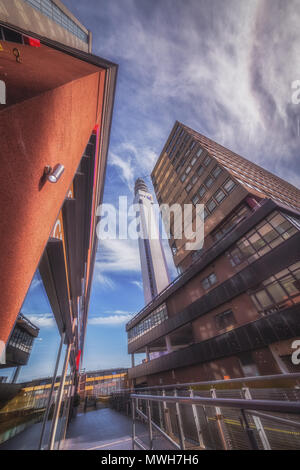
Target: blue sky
[{"x": 222, "y": 67}]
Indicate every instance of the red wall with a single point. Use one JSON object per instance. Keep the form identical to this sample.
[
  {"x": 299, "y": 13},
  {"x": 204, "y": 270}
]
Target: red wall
[{"x": 51, "y": 128}]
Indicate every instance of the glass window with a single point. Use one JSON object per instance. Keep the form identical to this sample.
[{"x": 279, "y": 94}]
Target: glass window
[
  {"x": 219, "y": 195},
  {"x": 193, "y": 161},
  {"x": 195, "y": 199},
  {"x": 276, "y": 292},
  {"x": 212, "y": 278},
  {"x": 263, "y": 298},
  {"x": 209, "y": 182},
  {"x": 211, "y": 205},
  {"x": 217, "y": 171},
  {"x": 229, "y": 185},
  {"x": 188, "y": 188},
  {"x": 194, "y": 179},
  {"x": 202, "y": 191},
  {"x": 188, "y": 170},
  {"x": 200, "y": 170},
  {"x": 225, "y": 320},
  {"x": 207, "y": 160},
  {"x": 199, "y": 152},
  {"x": 183, "y": 177}
]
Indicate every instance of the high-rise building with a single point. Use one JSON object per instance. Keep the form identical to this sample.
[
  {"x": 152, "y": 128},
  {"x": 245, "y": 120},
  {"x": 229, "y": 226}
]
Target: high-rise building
[
  {"x": 193, "y": 169},
  {"x": 234, "y": 309},
  {"x": 54, "y": 135},
  {"x": 153, "y": 263}
]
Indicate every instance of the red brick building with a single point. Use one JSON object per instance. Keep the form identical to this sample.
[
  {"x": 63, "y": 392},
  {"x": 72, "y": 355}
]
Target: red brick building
[{"x": 234, "y": 310}]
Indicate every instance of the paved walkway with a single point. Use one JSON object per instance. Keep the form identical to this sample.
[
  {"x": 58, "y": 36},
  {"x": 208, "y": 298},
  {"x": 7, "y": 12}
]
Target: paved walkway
[{"x": 104, "y": 429}]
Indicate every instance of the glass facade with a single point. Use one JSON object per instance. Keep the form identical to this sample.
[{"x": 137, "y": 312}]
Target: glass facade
[
  {"x": 279, "y": 291},
  {"x": 155, "y": 318},
  {"x": 26, "y": 417},
  {"x": 273, "y": 231},
  {"x": 48, "y": 8}
]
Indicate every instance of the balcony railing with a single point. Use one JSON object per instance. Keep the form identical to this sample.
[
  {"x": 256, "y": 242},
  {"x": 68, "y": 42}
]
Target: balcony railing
[{"x": 245, "y": 413}]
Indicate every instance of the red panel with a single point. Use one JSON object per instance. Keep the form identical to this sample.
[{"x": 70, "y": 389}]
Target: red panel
[{"x": 32, "y": 41}]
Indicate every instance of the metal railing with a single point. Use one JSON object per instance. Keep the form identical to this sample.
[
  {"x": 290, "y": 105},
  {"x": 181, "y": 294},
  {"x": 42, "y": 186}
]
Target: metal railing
[
  {"x": 250, "y": 421},
  {"x": 244, "y": 413}
]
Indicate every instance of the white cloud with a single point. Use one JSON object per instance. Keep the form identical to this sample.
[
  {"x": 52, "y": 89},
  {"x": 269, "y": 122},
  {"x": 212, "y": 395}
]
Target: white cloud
[
  {"x": 105, "y": 281},
  {"x": 118, "y": 256},
  {"x": 224, "y": 68},
  {"x": 110, "y": 320},
  {"x": 139, "y": 284},
  {"x": 45, "y": 320}
]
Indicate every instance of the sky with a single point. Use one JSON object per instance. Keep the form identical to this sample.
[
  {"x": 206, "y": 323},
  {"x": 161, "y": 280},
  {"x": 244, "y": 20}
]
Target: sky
[{"x": 223, "y": 67}]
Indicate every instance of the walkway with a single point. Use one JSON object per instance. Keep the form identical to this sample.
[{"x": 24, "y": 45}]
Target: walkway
[{"x": 103, "y": 429}]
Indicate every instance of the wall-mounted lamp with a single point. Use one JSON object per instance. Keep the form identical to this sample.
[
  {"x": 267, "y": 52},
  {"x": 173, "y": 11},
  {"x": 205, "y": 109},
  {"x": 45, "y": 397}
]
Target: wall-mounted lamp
[{"x": 54, "y": 174}]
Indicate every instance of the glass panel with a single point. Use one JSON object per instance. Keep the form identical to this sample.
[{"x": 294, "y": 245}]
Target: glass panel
[
  {"x": 200, "y": 170},
  {"x": 207, "y": 160},
  {"x": 209, "y": 182},
  {"x": 276, "y": 292},
  {"x": 290, "y": 285},
  {"x": 268, "y": 232},
  {"x": 220, "y": 195},
  {"x": 21, "y": 416},
  {"x": 257, "y": 241},
  {"x": 202, "y": 191},
  {"x": 229, "y": 185},
  {"x": 263, "y": 298},
  {"x": 211, "y": 205}
]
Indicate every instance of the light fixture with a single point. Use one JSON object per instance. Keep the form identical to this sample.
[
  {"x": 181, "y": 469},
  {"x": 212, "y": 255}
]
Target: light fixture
[{"x": 53, "y": 175}]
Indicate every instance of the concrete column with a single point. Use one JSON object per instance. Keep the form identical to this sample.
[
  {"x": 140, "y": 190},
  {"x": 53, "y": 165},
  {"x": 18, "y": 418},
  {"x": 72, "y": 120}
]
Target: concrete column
[
  {"x": 147, "y": 354},
  {"x": 132, "y": 360},
  {"x": 168, "y": 344}
]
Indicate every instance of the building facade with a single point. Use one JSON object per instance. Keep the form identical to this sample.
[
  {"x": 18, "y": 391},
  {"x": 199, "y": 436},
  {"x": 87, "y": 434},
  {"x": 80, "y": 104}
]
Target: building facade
[
  {"x": 234, "y": 309},
  {"x": 54, "y": 136},
  {"x": 154, "y": 267}
]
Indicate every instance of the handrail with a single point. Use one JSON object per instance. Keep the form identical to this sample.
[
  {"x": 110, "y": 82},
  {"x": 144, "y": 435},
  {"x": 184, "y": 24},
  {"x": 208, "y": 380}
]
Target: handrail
[
  {"x": 262, "y": 405},
  {"x": 260, "y": 378}
]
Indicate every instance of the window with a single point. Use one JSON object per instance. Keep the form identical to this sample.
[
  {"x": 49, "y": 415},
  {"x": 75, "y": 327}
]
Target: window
[
  {"x": 219, "y": 196},
  {"x": 217, "y": 171},
  {"x": 183, "y": 178},
  {"x": 187, "y": 171},
  {"x": 248, "y": 365},
  {"x": 189, "y": 187},
  {"x": 273, "y": 231},
  {"x": 207, "y": 160},
  {"x": 194, "y": 179},
  {"x": 234, "y": 220},
  {"x": 211, "y": 205},
  {"x": 193, "y": 161},
  {"x": 155, "y": 318},
  {"x": 195, "y": 199},
  {"x": 225, "y": 320},
  {"x": 209, "y": 281},
  {"x": 279, "y": 291},
  {"x": 209, "y": 182},
  {"x": 199, "y": 152},
  {"x": 229, "y": 185},
  {"x": 200, "y": 170},
  {"x": 48, "y": 8},
  {"x": 202, "y": 191}
]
